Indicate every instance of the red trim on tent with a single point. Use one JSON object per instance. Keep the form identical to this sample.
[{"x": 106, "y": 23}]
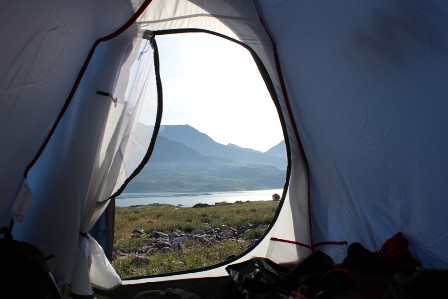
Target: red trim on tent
[
  {"x": 291, "y": 242},
  {"x": 78, "y": 80},
  {"x": 339, "y": 243}
]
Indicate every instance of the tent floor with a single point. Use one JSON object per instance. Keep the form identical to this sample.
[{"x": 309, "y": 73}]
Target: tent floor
[{"x": 209, "y": 287}]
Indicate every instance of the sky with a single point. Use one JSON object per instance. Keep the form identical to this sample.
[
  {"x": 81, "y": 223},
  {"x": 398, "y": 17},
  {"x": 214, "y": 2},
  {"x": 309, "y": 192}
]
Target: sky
[{"x": 213, "y": 85}]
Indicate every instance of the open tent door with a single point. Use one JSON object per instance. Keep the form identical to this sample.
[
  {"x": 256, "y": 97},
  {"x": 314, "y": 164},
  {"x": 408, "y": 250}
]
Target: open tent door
[
  {"x": 94, "y": 150},
  {"x": 212, "y": 84},
  {"x": 284, "y": 242}
]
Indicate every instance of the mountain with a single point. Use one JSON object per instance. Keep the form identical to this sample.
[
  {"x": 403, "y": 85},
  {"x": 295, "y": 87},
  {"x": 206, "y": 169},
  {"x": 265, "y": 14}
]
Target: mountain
[
  {"x": 205, "y": 145},
  {"x": 278, "y": 150},
  {"x": 176, "y": 165}
]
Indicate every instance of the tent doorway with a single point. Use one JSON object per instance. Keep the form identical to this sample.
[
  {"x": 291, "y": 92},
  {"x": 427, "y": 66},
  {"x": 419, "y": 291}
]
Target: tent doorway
[{"x": 220, "y": 142}]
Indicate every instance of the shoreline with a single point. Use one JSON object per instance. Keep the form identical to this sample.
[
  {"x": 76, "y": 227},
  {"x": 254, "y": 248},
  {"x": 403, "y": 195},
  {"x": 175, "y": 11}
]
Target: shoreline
[
  {"x": 187, "y": 199},
  {"x": 198, "y": 205}
]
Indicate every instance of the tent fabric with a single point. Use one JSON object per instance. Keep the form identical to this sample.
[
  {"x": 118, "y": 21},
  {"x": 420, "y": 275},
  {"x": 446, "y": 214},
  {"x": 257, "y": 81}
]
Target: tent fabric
[
  {"x": 368, "y": 100},
  {"x": 39, "y": 66},
  {"x": 359, "y": 88},
  {"x": 106, "y": 165}
]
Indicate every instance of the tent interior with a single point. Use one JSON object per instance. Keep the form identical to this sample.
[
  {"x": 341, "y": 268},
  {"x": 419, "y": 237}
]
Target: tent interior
[{"x": 359, "y": 88}]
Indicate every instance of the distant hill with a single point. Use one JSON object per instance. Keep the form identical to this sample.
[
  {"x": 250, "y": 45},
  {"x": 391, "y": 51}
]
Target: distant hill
[
  {"x": 278, "y": 151},
  {"x": 205, "y": 145},
  {"x": 177, "y": 165}
]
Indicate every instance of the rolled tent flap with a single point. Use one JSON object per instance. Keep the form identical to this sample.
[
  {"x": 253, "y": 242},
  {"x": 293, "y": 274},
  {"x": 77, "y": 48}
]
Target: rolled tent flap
[
  {"x": 120, "y": 153},
  {"x": 92, "y": 269},
  {"x": 93, "y": 151},
  {"x": 81, "y": 282},
  {"x": 102, "y": 274}
]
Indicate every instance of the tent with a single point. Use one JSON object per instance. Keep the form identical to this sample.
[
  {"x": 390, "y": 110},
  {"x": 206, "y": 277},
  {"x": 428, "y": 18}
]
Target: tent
[{"x": 359, "y": 87}]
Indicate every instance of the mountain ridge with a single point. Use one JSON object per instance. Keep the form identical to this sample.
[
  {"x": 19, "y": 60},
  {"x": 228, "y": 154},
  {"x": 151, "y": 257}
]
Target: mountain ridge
[
  {"x": 187, "y": 160},
  {"x": 205, "y": 145}
]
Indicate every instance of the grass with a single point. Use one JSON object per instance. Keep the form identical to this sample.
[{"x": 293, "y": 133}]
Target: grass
[
  {"x": 195, "y": 254},
  {"x": 194, "y": 257}
]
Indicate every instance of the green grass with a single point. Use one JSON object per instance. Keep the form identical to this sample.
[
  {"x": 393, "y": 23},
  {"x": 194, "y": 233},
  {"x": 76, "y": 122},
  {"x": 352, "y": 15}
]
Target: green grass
[{"x": 195, "y": 255}]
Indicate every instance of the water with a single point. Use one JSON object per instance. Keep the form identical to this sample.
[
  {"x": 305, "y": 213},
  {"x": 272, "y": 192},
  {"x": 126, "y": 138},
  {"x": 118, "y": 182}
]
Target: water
[{"x": 189, "y": 199}]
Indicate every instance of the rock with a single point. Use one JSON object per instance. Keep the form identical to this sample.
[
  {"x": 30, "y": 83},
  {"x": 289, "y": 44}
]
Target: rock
[
  {"x": 180, "y": 239},
  {"x": 176, "y": 246},
  {"x": 275, "y": 197},
  {"x": 156, "y": 234},
  {"x": 140, "y": 260},
  {"x": 174, "y": 235},
  {"x": 226, "y": 234},
  {"x": 136, "y": 233},
  {"x": 175, "y": 240},
  {"x": 201, "y": 205},
  {"x": 198, "y": 232},
  {"x": 165, "y": 249},
  {"x": 263, "y": 226},
  {"x": 161, "y": 244},
  {"x": 248, "y": 225},
  {"x": 149, "y": 249}
]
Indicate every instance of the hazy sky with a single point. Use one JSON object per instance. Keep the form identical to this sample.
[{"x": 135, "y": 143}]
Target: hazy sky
[{"x": 214, "y": 85}]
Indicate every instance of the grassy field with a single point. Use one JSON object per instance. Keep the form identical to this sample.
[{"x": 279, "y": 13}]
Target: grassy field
[{"x": 167, "y": 219}]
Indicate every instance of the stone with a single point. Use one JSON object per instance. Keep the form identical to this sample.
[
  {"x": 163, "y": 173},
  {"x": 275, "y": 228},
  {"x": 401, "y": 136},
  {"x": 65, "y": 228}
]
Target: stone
[
  {"x": 161, "y": 244},
  {"x": 174, "y": 235},
  {"x": 226, "y": 234},
  {"x": 140, "y": 260},
  {"x": 248, "y": 225},
  {"x": 275, "y": 197},
  {"x": 263, "y": 226},
  {"x": 176, "y": 246},
  {"x": 165, "y": 249},
  {"x": 136, "y": 233},
  {"x": 198, "y": 232},
  {"x": 180, "y": 239},
  {"x": 156, "y": 234}
]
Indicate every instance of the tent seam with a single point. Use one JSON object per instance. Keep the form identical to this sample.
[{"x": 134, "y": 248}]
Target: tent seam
[
  {"x": 296, "y": 131},
  {"x": 78, "y": 81}
]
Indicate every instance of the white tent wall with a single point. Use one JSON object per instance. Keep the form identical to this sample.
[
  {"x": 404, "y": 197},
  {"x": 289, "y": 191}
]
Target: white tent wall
[
  {"x": 70, "y": 174},
  {"x": 367, "y": 81},
  {"x": 44, "y": 45},
  {"x": 80, "y": 164},
  {"x": 93, "y": 151}
]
